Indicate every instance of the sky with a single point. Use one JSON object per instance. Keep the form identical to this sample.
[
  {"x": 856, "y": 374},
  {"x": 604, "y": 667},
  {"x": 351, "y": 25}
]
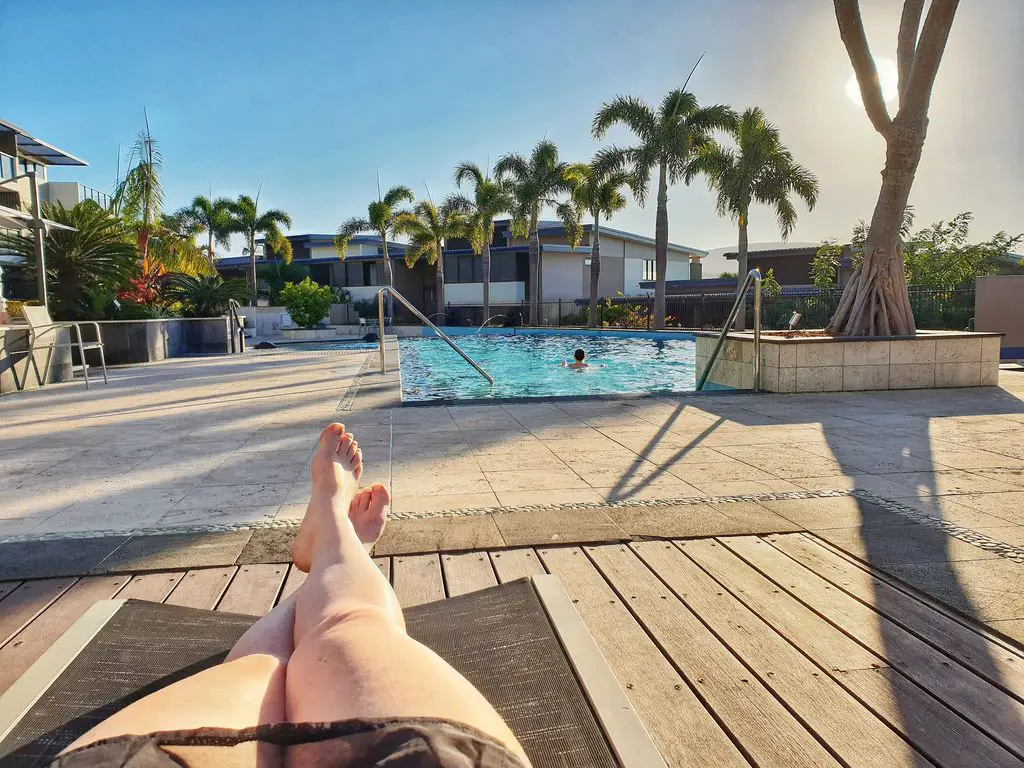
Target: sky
[{"x": 307, "y": 101}]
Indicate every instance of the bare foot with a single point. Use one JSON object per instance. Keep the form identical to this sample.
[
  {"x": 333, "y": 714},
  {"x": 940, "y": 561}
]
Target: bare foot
[
  {"x": 336, "y": 468},
  {"x": 369, "y": 512}
]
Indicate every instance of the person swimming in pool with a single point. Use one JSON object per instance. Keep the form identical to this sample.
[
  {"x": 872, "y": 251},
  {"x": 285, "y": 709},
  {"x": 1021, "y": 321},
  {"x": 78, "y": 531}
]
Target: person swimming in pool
[{"x": 579, "y": 361}]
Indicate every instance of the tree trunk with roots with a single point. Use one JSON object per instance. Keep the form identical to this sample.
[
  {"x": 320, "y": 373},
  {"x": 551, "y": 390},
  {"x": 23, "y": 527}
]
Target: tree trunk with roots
[
  {"x": 486, "y": 258},
  {"x": 741, "y": 269},
  {"x": 660, "y": 248},
  {"x": 595, "y": 269},
  {"x": 875, "y": 301}
]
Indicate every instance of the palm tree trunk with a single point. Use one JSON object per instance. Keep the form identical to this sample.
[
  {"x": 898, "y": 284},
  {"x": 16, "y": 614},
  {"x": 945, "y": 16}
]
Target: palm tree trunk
[
  {"x": 595, "y": 269},
  {"x": 439, "y": 282},
  {"x": 741, "y": 270},
  {"x": 661, "y": 248},
  {"x": 486, "y": 256},
  {"x": 534, "y": 271},
  {"x": 209, "y": 249},
  {"x": 390, "y": 272},
  {"x": 252, "y": 267},
  {"x": 875, "y": 301}
]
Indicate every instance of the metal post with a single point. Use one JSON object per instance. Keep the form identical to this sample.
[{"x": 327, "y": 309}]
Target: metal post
[
  {"x": 757, "y": 333},
  {"x": 38, "y": 237},
  {"x": 380, "y": 328},
  {"x": 559, "y": 311}
]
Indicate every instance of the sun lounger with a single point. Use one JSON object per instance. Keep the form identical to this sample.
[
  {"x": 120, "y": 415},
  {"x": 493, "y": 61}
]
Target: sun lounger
[{"x": 522, "y": 644}]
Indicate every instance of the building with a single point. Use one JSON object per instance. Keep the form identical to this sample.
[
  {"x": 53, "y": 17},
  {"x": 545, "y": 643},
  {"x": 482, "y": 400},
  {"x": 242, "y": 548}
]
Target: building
[
  {"x": 792, "y": 265},
  {"x": 627, "y": 260}
]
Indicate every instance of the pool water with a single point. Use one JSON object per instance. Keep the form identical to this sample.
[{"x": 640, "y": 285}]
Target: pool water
[{"x": 528, "y": 365}]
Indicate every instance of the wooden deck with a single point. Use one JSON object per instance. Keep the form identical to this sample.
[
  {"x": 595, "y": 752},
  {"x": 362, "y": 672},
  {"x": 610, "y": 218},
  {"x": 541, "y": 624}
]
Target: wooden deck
[{"x": 767, "y": 651}]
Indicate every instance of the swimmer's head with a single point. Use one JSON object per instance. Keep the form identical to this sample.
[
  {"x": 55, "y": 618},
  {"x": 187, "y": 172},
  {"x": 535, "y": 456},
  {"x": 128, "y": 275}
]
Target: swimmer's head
[{"x": 579, "y": 354}]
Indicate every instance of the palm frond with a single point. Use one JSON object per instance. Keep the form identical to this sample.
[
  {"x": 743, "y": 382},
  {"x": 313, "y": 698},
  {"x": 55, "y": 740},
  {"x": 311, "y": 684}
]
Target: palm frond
[
  {"x": 512, "y": 165},
  {"x": 349, "y": 229},
  {"x": 630, "y": 112},
  {"x": 397, "y": 194},
  {"x": 677, "y": 103},
  {"x": 469, "y": 172}
]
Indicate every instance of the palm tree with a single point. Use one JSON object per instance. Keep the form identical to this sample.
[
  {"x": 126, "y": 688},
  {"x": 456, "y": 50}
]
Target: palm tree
[
  {"x": 212, "y": 217},
  {"x": 669, "y": 137},
  {"x": 534, "y": 184},
  {"x": 759, "y": 170},
  {"x": 139, "y": 195},
  {"x": 595, "y": 189},
  {"x": 427, "y": 228},
  {"x": 380, "y": 219},
  {"x": 172, "y": 246},
  {"x": 95, "y": 254},
  {"x": 247, "y": 219},
  {"x": 489, "y": 199},
  {"x": 206, "y": 296}
]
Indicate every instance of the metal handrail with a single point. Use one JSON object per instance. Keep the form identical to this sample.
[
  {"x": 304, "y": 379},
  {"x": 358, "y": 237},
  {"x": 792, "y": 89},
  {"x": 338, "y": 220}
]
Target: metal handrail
[
  {"x": 422, "y": 318},
  {"x": 237, "y": 342},
  {"x": 753, "y": 276}
]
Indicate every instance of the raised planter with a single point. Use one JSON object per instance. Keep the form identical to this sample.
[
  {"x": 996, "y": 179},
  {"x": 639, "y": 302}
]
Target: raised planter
[
  {"x": 929, "y": 360},
  {"x": 146, "y": 341},
  {"x": 309, "y": 334}
]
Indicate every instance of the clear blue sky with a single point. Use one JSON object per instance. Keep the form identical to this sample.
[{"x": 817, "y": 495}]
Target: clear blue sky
[{"x": 313, "y": 98}]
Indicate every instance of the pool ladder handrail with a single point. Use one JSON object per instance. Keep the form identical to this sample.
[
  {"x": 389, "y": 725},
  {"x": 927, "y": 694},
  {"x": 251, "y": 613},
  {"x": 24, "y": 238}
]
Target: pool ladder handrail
[
  {"x": 423, "y": 318},
  {"x": 753, "y": 276}
]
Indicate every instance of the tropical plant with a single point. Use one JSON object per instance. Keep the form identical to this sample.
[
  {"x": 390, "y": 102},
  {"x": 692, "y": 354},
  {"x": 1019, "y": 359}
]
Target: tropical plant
[
  {"x": 96, "y": 252},
  {"x": 251, "y": 223},
  {"x": 670, "y": 137},
  {"x": 595, "y": 190},
  {"x": 139, "y": 196},
  {"x": 204, "y": 296},
  {"x": 759, "y": 170},
  {"x": 212, "y": 217},
  {"x": 275, "y": 274},
  {"x": 770, "y": 287},
  {"x": 488, "y": 199},
  {"x": 535, "y": 183},
  {"x": 825, "y": 264},
  {"x": 172, "y": 246},
  {"x": 876, "y": 301},
  {"x": 727, "y": 275},
  {"x": 940, "y": 256},
  {"x": 307, "y": 302},
  {"x": 428, "y": 227},
  {"x": 380, "y": 219}
]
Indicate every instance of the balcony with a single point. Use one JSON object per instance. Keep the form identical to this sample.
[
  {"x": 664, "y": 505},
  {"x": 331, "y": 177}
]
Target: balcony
[{"x": 89, "y": 193}]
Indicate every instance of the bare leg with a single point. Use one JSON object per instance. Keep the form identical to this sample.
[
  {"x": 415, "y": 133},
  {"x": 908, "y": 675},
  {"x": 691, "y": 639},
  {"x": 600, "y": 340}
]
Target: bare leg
[{"x": 348, "y": 630}]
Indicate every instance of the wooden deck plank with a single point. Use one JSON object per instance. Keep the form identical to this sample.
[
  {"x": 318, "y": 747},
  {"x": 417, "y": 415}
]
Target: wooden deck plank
[
  {"x": 512, "y": 564},
  {"x": 417, "y": 579},
  {"x": 254, "y": 589},
  {"x": 653, "y": 686},
  {"x": 202, "y": 587},
  {"x": 851, "y": 730},
  {"x": 467, "y": 572},
  {"x": 936, "y": 729},
  {"x": 29, "y": 644},
  {"x": 985, "y": 657},
  {"x": 150, "y": 586},
  {"x": 292, "y": 581},
  {"x": 770, "y": 735},
  {"x": 991, "y": 709},
  {"x": 28, "y": 601},
  {"x": 384, "y": 563}
]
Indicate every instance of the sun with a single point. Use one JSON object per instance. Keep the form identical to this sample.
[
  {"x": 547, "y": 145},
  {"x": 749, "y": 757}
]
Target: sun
[{"x": 887, "y": 76}]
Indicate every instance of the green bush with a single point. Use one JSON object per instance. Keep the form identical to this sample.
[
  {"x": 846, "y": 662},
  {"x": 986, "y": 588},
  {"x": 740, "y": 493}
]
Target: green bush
[
  {"x": 205, "y": 296},
  {"x": 307, "y": 302},
  {"x": 366, "y": 308}
]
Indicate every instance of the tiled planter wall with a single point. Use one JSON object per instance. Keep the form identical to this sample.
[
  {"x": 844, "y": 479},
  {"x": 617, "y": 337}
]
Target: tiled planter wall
[{"x": 930, "y": 360}]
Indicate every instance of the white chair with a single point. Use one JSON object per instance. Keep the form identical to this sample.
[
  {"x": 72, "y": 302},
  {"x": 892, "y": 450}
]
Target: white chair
[{"x": 43, "y": 335}]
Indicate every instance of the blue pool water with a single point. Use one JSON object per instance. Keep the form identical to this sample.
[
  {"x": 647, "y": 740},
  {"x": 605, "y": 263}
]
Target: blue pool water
[{"x": 527, "y": 365}]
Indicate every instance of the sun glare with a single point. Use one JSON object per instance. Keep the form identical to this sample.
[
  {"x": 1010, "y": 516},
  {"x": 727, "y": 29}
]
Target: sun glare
[{"x": 887, "y": 75}]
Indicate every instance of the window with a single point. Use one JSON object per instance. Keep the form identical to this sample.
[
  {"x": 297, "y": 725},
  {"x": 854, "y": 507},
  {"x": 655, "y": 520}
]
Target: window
[{"x": 649, "y": 271}]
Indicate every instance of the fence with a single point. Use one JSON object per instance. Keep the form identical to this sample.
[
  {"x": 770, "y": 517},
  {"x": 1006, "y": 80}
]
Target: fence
[{"x": 933, "y": 309}]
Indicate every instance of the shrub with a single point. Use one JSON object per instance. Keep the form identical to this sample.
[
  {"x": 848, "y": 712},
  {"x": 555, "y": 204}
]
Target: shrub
[
  {"x": 341, "y": 295},
  {"x": 366, "y": 308},
  {"x": 307, "y": 302},
  {"x": 205, "y": 296}
]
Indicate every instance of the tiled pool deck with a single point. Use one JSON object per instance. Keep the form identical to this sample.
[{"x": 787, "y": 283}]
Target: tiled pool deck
[{"x": 225, "y": 442}]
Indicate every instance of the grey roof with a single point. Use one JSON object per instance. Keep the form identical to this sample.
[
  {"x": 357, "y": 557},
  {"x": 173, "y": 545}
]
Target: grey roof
[{"x": 44, "y": 152}]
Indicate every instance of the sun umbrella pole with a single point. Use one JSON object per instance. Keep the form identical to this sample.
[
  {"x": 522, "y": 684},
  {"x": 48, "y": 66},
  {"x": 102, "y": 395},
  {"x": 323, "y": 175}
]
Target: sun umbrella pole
[{"x": 38, "y": 237}]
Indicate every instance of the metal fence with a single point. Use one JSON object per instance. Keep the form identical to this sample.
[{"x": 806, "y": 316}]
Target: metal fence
[{"x": 933, "y": 309}]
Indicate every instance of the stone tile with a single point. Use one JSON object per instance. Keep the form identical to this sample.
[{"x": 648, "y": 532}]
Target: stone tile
[
  {"x": 817, "y": 355},
  {"x": 751, "y": 517},
  {"x": 1010, "y": 475},
  {"x": 516, "y": 462},
  {"x": 427, "y": 483},
  {"x": 563, "y": 526},
  {"x": 884, "y": 546},
  {"x": 698, "y": 474},
  {"x": 184, "y": 550},
  {"x": 912, "y": 351},
  {"x": 1012, "y": 628},
  {"x": 259, "y": 468},
  {"x": 911, "y": 376},
  {"x": 439, "y": 534},
  {"x": 534, "y": 480},
  {"x": 291, "y": 512},
  {"x": 218, "y": 515},
  {"x": 268, "y": 545},
  {"x": 865, "y": 377},
  {"x": 787, "y": 355},
  {"x": 819, "y": 378},
  {"x": 958, "y": 351},
  {"x": 949, "y": 509},
  {"x": 957, "y": 374},
  {"x": 769, "y": 355},
  {"x": 1010, "y": 534},
  {"x": 865, "y": 353},
  {"x": 979, "y": 461},
  {"x": 660, "y": 489},
  {"x": 991, "y": 349},
  {"x": 988, "y": 590},
  {"x": 1008, "y": 506},
  {"x": 681, "y": 521},
  {"x": 842, "y": 512},
  {"x": 989, "y": 374},
  {"x": 951, "y": 481},
  {"x": 60, "y": 557},
  {"x": 787, "y": 380},
  {"x": 549, "y": 496},
  {"x": 227, "y": 496},
  {"x": 747, "y": 487},
  {"x": 414, "y": 502}
]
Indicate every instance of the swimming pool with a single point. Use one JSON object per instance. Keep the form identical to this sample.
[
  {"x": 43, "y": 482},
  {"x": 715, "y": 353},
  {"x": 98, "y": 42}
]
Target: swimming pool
[{"x": 527, "y": 364}]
